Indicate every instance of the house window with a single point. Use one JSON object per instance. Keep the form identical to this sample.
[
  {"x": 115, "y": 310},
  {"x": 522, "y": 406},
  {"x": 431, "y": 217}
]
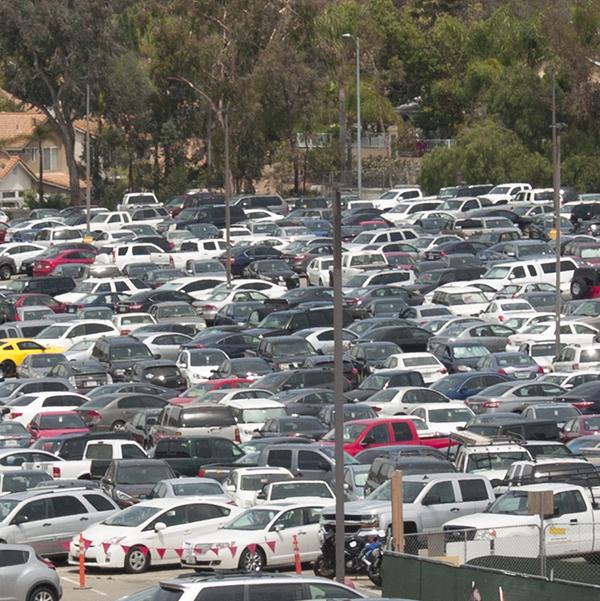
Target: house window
[
  {"x": 50, "y": 158},
  {"x": 34, "y": 155}
]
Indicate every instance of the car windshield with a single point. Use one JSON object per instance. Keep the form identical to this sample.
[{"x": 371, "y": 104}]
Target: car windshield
[
  {"x": 132, "y": 516},
  {"x": 561, "y": 413},
  {"x": 46, "y": 360},
  {"x": 272, "y": 266},
  {"x": 25, "y": 481},
  {"x": 539, "y": 328},
  {"x": 467, "y": 351},
  {"x": 12, "y": 429},
  {"x": 514, "y": 502},
  {"x": 588, "y": 308},
  {"x": 351, "y": 432},
  {"x": 142, "y": 474},
  {"x": 175, "y": 311},
  {"x": 203, "y": 358},
  {"x": 514, "y": 360},
  {"x": 252, "y": 416},
  {"x": 591, "y": 355},
  {"x": 6, "y": 506},
  {"x": 497, "y": 460},
  {"x": 253, "y": 519},
  {"x": 258, "y": 481},
  {"x": 199, "y": 489},
  {"x": 496, "y": 273},
  {"x": 466, "y": 298},
  {"x": 55, "y": 331},
  {"x": 446, "y": 416},
  {"x": 450, "y": 205},
  {"x": 65, "y": 421},
  {"x": 292, "y": 347},
  {"x": 134, "y": 351},
  {"x": 286, "y": 490},
  {"x": 275, "y": 321},
  {"x": 420, "y": 361},
  {"x": 410, "y": 491}
]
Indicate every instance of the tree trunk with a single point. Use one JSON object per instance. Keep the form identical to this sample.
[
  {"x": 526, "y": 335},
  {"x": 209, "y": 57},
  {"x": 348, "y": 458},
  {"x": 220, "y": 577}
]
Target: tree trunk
[
  {"x": 343, "y": 126},
  {"x": 41, "y": 173},
  {"x": 69, "y": 142}
]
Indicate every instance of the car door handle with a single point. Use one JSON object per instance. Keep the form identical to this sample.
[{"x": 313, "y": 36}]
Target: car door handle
[
  {"x": 187, "y": 532},
  {"x": 573, "y": 521},
  {"x": 455, "y": 509},
  {"x": 301, "y": 531},
  {"x": 83, "y": 519},
  {"x": 46, "y": 524}
]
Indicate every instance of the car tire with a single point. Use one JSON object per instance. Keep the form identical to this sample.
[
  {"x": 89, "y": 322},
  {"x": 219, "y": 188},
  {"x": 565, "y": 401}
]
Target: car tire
[
  {"x": 5, "y": 272},
  {"x": 579, "y": 289},
  {"x": 8, "y": 368},
  {"x": 118, "y": 426},
  {"x": 136, "y": 561},
  {"x": 43, "y": 593},
  {"x": 252, "y": 562}
]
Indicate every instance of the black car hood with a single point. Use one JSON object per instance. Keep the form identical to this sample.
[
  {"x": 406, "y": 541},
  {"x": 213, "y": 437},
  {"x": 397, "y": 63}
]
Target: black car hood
[{"x": 288, "y": 273}]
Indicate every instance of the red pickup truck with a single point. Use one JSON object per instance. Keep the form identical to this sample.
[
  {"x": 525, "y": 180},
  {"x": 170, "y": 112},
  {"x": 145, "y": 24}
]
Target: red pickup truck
[{"x": 361, "y": 434}]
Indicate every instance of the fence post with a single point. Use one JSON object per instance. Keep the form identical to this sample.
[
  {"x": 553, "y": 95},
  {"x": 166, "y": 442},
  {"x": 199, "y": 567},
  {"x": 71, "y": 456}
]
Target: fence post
[{"x": 542, "y": 548}]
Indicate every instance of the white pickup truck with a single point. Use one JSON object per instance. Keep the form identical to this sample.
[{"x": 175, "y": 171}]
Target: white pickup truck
[
  {"x": 573, "y": 529},
  {"x": 110, "y": 221},
  {"x": 193, "y": 250},
  {"x": 125, "y": 254},
  {"x": 95, "y": 450}
]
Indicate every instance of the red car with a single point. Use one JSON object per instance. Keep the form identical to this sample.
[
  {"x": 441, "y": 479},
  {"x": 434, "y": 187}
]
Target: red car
[
  {"x": 361, "y": 434},
  {"x": 192, "y": 394},
  {"x": 582, "y": 425},
  {"x": 56, "y": 423},
  {"x": 56, "y": 257},
  {"x": 33, "y": 299}
]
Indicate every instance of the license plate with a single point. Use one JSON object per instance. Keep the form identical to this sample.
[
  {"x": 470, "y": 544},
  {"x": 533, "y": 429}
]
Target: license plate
[
  {"x": 521, "y": 375},
  {"x": 91, "y": 383},
  {"x": 10, "y": 443},
  {"x": 190, "y": 559}
]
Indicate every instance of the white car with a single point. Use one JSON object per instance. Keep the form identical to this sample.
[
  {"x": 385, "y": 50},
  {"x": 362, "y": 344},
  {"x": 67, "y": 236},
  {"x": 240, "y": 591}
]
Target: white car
[
  {"x": 574, "y": 358},
  {"x": 461, "y": 300},
  {"x": 244, "y": 483},
  {"x": 251, "y": 414},
  {"x": 132, "y": 252},
  {"x": 100, "y": 286},
  {"x": 258, "y": 538},
  {"x": 198, "y": 287},
  {"x": 20, "y": 251},
  {"x": 391, "y": 198},
  {"x": 217, "y": 299},
  {"x": 81, "y": 350},
  {"x": 259, "y": 215},
  {"x": 570, "y": 333},
  {"x": 504, "y": 193},
  {"x": 444, "y": 417},
  {"x": 267, "y": 288},
  {"x": 402, "y": 399},
  {"x": 498, "y": 311},
  {"x": 302, "y": 491},
  {"x": 427, "y": 364},
  {"x": 568, "y": 380},
  {"x": 24, "y": 408},
  {"x": 116, "y": 237},
  {"x": 321, "y": 339},
  {"x": 317, "y": 271},
  {"x": 197, "y": 365},
  {"x": 488, "y": 291},
  {"x": 520, "y": 322},
  {"x": 149, "y": 533},
  {"x": 64, "y": 335},
  {"x": 127, "y": 323}
]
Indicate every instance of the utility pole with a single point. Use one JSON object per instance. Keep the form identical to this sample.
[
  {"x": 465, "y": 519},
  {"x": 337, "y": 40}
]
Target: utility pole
[
  {"x": 358, "y": 122},
  {"x": 338, "y": 376},
  {"x": 228, "y": 192},
  {"x": 88, "y": 190},
  {"x": 556, "y": 128}
]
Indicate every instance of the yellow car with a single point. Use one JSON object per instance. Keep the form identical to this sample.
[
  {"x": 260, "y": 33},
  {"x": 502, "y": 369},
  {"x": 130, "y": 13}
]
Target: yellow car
[{"x": 14, "y": 350}]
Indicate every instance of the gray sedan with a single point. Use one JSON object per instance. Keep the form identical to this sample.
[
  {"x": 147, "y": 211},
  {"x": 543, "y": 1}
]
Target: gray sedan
[
  {"x": 511, "y": 397},
  {"x": 24, "y": 576},
  {"x": 190, "y": 487},
  {"x": 493, "y": 336},
  {"x": 167, "y": 345}
]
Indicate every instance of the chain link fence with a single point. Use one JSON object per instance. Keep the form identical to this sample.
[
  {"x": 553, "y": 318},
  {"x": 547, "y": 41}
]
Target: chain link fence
[{"x": 520, "y": 550}]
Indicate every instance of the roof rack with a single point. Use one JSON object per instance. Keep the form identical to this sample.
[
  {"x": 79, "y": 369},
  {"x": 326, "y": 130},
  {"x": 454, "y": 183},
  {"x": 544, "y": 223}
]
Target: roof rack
[{"x": 470, "y": 439}]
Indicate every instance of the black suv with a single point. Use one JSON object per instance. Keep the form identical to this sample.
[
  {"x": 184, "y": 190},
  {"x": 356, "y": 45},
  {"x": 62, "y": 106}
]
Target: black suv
[
  {"x": 160, "y": 372},
  {"x": 119, "y": 354}
]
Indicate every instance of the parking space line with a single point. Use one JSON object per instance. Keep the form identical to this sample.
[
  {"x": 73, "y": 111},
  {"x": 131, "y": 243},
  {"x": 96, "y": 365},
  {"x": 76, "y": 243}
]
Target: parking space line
[{"x": 91, "y": 589}]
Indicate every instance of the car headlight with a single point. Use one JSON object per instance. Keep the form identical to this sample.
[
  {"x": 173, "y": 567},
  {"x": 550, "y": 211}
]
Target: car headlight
[
  {"x": 149, "y": 376},
  {"x": 484, "y": 535},
  {"x": 123, "y": 496},
  {"x": 119, "y": 372},
  {"x": 115, "y": 540}
]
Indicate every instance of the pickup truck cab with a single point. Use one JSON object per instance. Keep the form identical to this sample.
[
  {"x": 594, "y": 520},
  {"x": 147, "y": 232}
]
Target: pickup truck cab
[
  {"x": 136, "y": 200},
  {"x": 110, "y": 221},
  {"x": 95, "y": 450},
  {"x": 429, "y": 502},
  {"x": 364, "y": 434},
  {"x": 245, "y": 483},
  {"x": 194, "y": 249},
  {"x": 125, "y": 254}
]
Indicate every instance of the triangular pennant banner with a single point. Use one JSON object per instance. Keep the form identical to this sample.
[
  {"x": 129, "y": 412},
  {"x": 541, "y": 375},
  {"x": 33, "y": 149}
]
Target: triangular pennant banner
[
  {"x": 65, "y": 545},
  {"x": 252, "y": 549},
  {"x": 144, "y": 550},
  {"x": 86, "y": 543},
  {"x": 179, "y": 552},
  {"x": 125, "y": 549},
  {"x": 271, "y": 544},
  {"x": 160, "y": 551},
  {"x": 105, "y": 547},
  {"x": 215, "y": 550},
  {"x": 233, "y": 550}
]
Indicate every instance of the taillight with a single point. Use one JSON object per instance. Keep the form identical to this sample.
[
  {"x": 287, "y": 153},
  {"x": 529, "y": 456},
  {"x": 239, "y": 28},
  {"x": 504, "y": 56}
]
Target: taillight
[
  {"x": 56, "y": 473},
  {"x": 443, "y": 370},
  {"x": 501, "y": 318},
  {"x": 48, "y": 563},
  {"x": 208, "y": 307},
  {"x": 93, "y": 416},
  {"x": 171, "y": 246},
  {"x": 199, "y": 345},
  {"x": 15, "y": 414},
  {"x": 539, "y": 370},
  {"x": 491, "y": 404},
  {"x": 583, "y": 405},
  {"x": 236, "y": 436},
  {"x": 200, "y": 473},
  {"x": 114, "y": 256},
  {"x": 575, "y": 366},
  {"x": 502, "y": 372},
  {"x": 378, "y": 409},
  {"x": 171, "y": 260},
  {"x": 125, "y": 332}
]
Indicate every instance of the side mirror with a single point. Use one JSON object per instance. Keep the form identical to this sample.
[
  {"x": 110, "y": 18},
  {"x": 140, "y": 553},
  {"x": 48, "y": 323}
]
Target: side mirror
[
  {"x": 278, "y": 527},
  {"x": 5, "y": 410},
  {"x": 262, "y": 495},
  {"x": 159, "y": 526},
  {"x": 156, "y": 355},
  {"x": 20, "y": 519},
  {"x": 230, "y": 488},
  {"x": 365, "y": 442},
  {"x": 34, "y": 427}
]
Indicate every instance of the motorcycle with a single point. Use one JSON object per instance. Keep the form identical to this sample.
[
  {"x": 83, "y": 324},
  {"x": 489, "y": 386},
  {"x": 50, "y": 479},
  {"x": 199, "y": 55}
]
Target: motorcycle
[
  {"x": 372, "y": 556},
  {"x": 324, "y": 565}
]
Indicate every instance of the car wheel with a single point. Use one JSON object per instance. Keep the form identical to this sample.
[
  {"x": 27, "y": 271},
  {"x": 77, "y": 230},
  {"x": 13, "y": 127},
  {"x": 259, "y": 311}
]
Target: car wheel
[
  {"x": 579, "y": 289},
  {"x": 8, "y": 368},
  {"x": 137, "y": 560},
  {"x": 118, "y": 426},
  {"x": 252, "y": 562},
  {"x": 43, "y": 593},
  {"x": 5, "y": 272}
]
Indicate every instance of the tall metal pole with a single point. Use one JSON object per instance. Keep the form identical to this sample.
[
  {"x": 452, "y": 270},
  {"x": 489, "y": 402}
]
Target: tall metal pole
[
  {"x": 88, "y": 189},
  {"x": 557, "y": 214},
  {"x": 358, "y": 121},
  {"x": 228, "y": 182},
  {"x": 338, "y": 372}
]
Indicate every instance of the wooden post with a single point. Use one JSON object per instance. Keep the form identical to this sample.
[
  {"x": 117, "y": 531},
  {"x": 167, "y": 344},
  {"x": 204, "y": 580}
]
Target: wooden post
[{"x": 398, "y": 512}]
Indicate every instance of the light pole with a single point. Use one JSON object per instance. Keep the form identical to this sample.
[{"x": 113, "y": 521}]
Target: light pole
[
  {"x": 88, "y": 191},
  {"x": 358, "y": 119}
]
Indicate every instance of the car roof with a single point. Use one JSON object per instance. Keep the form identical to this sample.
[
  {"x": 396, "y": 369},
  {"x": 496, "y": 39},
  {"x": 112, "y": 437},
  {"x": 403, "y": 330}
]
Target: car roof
[{"x": 443, "y": 476}]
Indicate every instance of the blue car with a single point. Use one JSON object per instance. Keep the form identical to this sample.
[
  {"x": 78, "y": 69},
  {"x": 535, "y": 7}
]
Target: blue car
[
  {"x": 462, "y": 385},
  {"x": 512, "y": 365}
]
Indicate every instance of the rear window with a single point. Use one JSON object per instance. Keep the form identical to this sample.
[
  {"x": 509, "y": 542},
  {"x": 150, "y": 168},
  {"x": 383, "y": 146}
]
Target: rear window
[{"x": 213, "y": 417}]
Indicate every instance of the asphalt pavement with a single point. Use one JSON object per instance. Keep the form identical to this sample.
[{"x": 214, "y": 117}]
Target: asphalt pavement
[{"x": 104, "y": 585}]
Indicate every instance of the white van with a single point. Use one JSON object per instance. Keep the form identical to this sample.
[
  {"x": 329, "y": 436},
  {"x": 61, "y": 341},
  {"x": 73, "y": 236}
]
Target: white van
[{"x": 530, "y": 272}]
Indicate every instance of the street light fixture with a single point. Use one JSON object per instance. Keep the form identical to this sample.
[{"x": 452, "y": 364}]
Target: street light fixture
[{"x": 358, "y": 117}]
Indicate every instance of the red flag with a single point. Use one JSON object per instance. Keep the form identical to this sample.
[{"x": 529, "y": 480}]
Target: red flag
[
  {"x": 272, "y": 544},
  {"x": 65, "y": 545},
  {"x": 105, "y": 547},
  {"x": 125, "y": 549},
  {"x": 233, "y": 550},
  {"x": 252, "y": 549},
  {"x": 179, "y": 552},
  {"x": 160, "y": 551},
  {"x": 86, "y": 543},
  {"x": 215, "y": 550}
]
